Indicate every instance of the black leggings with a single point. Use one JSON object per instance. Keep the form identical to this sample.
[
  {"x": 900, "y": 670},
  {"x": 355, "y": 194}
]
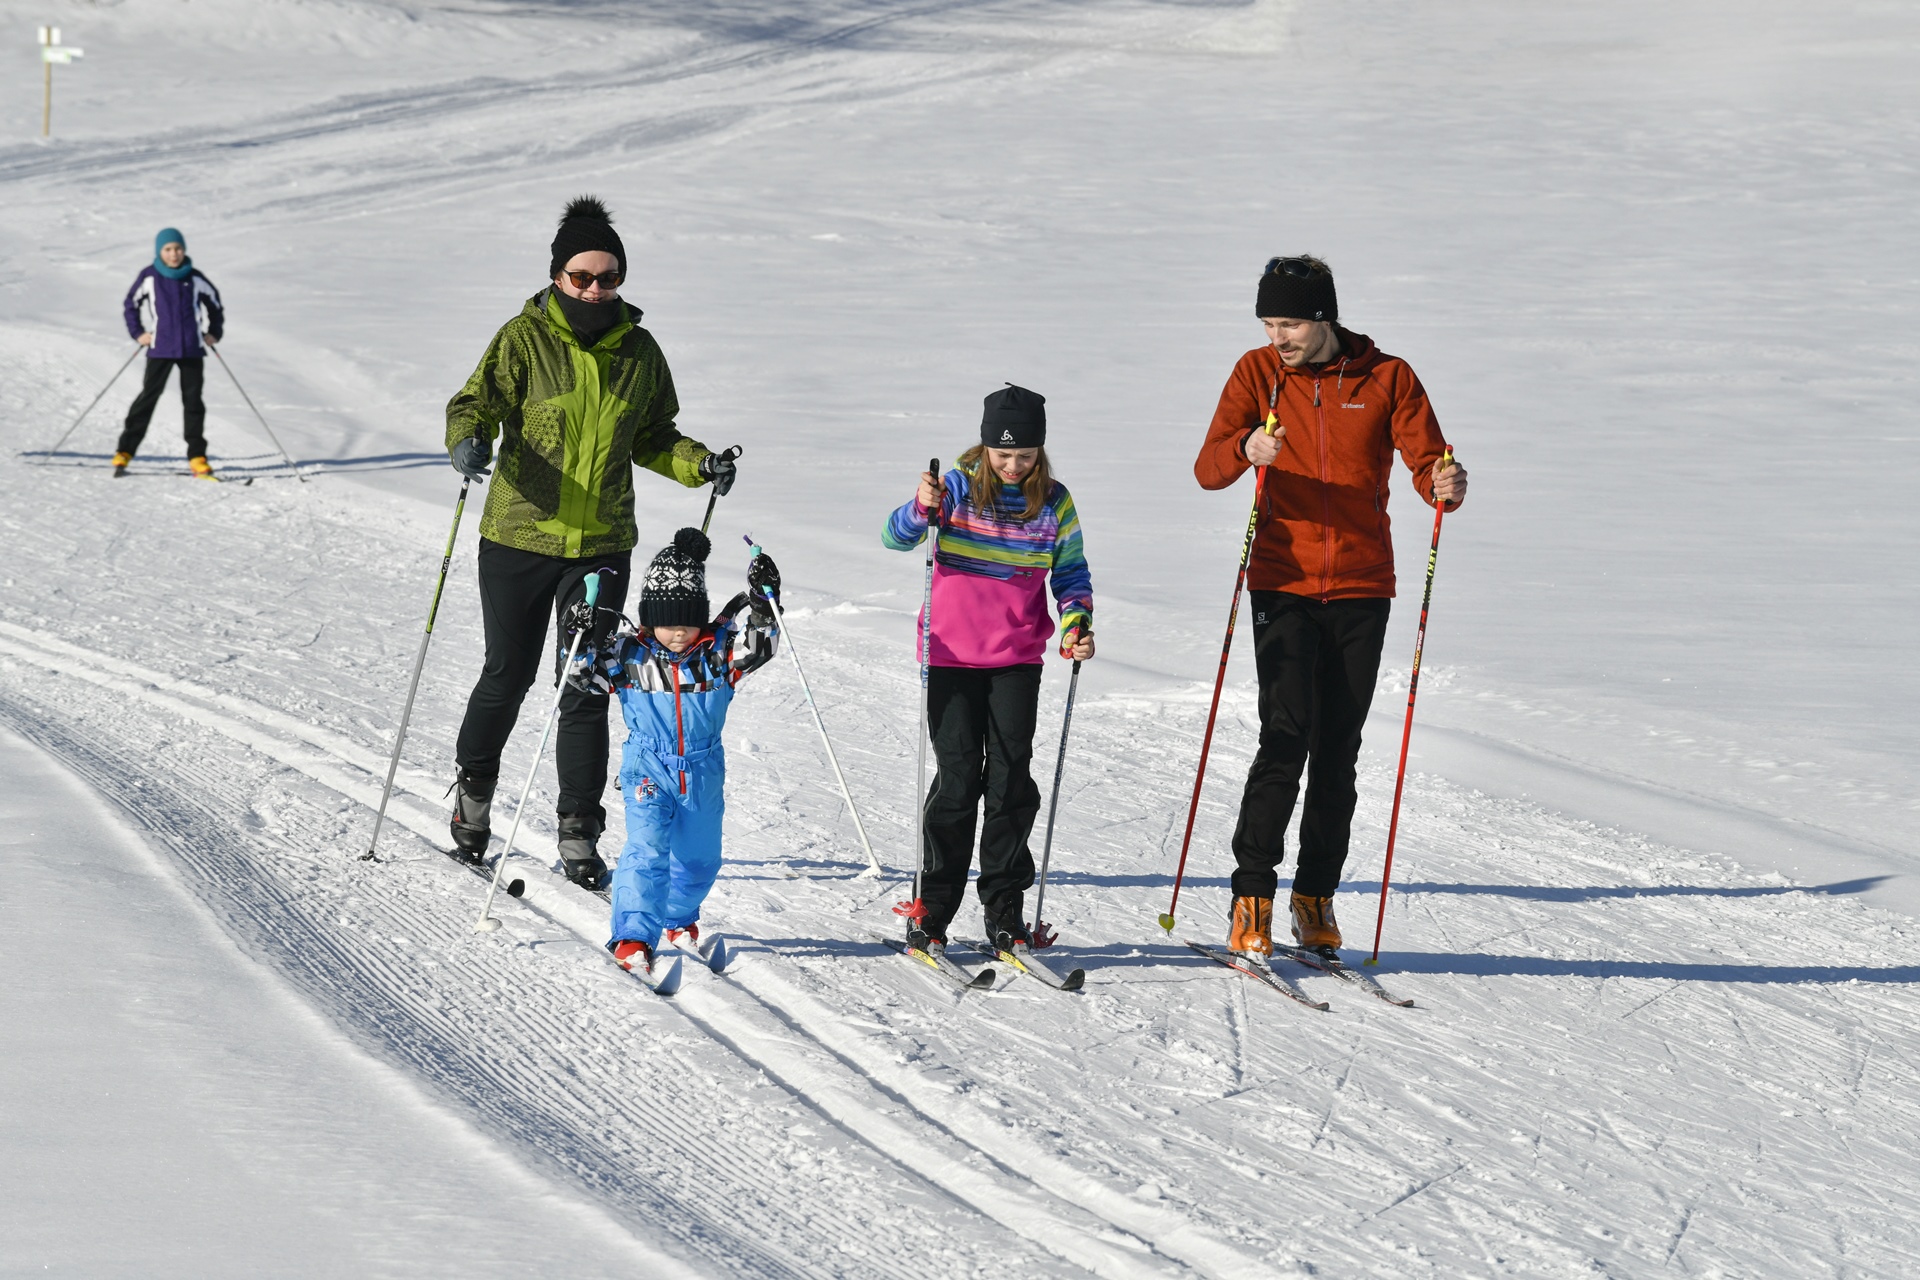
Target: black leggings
[
  {"x": 519, "y": 591},
  {"x": 1317, "y": 662},
  {"x": 192, "y": 377},
  {"x": 982, "y": 730}
]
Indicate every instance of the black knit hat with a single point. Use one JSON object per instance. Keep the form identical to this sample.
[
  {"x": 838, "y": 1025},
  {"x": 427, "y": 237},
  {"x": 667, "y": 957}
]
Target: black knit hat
[
  {"x": 674, "y": 592},
  {"x": 1015, "y": 418},
  {"x": 584, "y": 227},
  {"x": 1297, "y": 289}
]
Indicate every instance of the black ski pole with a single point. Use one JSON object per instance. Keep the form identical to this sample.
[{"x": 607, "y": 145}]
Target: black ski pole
[
  {"x": 726, "y": 456},
  {"x": 291, "y": 466},
  {"x": 419, "y": 662},
  {"x": 1042, "y": 936},
  {"x": 96, "y": 400}
]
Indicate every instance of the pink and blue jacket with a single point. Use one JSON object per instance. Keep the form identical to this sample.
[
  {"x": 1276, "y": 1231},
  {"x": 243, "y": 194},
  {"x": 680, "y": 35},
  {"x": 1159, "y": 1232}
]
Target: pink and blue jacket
[{"x": 990, "y": 574}]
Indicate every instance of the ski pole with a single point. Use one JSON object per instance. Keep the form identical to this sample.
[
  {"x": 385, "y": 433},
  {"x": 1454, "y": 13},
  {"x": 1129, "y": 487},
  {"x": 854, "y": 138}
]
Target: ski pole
[
  {"x": 1220, "y": 679},
  {"x": 96, "y": 400},
  {"x": 1042, "y": 936},
  {"x": 727, "y": 456},
  {"x": 780, "y": 619},
  {"x": 291, "y": 466},
  {"x": 916, "y": 910},
  {"x": 487, "y": 922},
  {"x": 1413, "y": 691},
  {"x": 419, "y": 662}
]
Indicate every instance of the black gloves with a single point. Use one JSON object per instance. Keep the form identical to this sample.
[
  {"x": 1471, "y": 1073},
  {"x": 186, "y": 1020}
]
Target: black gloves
[
  {"x": 718, "y": 468},
  {"x": 471, "y": 457},
  {"x": 763, "y": 575}
]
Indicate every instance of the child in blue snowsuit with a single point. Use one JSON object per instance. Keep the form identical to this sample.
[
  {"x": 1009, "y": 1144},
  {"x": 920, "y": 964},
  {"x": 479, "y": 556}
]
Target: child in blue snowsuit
[{"x": 675, "y": 675}]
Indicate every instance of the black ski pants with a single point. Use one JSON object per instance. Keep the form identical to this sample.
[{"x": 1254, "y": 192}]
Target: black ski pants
[
  {"x": 519, "y": 592},
  {"x": 1317, "y": 661},
  {"x": 192, "y": 378},
  {"x": 981, "y": 721}
]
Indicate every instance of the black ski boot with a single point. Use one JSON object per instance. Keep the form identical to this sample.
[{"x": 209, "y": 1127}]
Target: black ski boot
[
  {"x": 920, "y": 940},
  {"x": 578, "y": 831},
  {"x": 472, "y": 812},
  {"x": 1005, "y": 927}
]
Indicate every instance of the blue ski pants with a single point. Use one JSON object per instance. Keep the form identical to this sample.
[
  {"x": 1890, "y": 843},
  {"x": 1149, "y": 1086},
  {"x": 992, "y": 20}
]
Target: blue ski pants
[{"x": 672, "y": 853}]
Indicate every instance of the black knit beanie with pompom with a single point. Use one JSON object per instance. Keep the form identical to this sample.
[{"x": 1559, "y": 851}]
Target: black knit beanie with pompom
[
  {"x": 674, "y": 592},
  {"x": 585, "y": 227}
]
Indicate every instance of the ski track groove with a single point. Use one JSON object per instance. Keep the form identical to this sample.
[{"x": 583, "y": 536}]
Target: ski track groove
[
  {"x": 181, "y": 697},
  {"x": 282, "y": 748}
]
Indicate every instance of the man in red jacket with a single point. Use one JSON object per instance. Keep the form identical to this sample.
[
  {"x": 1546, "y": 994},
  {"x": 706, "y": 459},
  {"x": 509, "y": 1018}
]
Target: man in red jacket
[{"x": 1323, "y": 409}]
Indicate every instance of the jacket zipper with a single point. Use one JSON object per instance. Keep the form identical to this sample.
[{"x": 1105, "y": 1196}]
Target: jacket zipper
[
  {"x": 679, "y": 726},
  {"x": 1326, "y": 502}
]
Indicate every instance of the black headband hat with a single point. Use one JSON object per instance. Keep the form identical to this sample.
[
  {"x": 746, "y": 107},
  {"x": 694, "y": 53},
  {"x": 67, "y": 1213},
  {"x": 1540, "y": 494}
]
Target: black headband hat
[
  {"x": 1297, "y": 289},
  {"x": 585, "y": 227},
  {"x": 1015, "y": 418}
]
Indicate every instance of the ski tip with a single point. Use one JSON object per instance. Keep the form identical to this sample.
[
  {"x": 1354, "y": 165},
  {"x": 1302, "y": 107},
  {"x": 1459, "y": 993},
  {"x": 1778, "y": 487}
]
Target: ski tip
[
  {"x": 719, "y": 955},
  {"x": 983, "y": 980},
  {"x": 1074, "y": 981},
  {"x": 516, "y": 888},
  {"x": 667, "y": 983}
]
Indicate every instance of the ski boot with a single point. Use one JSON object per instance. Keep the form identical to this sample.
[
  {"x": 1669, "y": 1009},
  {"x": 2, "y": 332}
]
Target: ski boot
[
  {"x": 201, "y": 468},
  {"x": 691, "y": 930},
  {"x": 121, "y": 461},
  {"x": 1252, "y": 926},
  {"x": 920, "y": 940},
  {"x": 1005, "y": 928},
  {"x": 581, "y": 860},
  {"x": 627, "y": 953},
  {"x": 472, "y": 811},
  {"x": 1313, "y": 924}
]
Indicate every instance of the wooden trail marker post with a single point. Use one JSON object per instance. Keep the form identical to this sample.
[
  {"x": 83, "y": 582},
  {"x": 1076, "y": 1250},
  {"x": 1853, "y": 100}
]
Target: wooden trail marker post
[{"x": 52, "y": 51}]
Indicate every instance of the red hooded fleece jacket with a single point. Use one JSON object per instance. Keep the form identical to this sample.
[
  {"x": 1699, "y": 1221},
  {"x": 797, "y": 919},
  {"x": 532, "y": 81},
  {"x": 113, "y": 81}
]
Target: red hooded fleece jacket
[{"x": 1323, "y": 529}]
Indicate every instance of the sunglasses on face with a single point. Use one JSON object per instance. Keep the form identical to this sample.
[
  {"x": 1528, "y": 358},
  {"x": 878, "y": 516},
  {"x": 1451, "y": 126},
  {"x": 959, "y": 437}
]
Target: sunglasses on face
[
  {"x": 606, "y": 279},
  {"x": 1298, "y": 268}
]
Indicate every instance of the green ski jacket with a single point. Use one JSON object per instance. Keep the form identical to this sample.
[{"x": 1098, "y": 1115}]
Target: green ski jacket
[{"x": 573, "y": 423}]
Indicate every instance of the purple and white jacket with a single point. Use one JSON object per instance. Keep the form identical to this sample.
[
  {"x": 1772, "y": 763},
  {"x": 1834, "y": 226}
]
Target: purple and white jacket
[{"x": 170, "y": 311}]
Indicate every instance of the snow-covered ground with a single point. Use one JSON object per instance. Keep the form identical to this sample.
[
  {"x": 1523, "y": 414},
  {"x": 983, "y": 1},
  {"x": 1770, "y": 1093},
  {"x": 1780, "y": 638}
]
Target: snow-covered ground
[{"x": 1656, "y": 880}]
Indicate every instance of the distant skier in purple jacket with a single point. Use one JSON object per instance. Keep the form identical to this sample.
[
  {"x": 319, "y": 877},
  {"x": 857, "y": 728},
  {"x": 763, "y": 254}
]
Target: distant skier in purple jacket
[{"x": 163, "y": 315}]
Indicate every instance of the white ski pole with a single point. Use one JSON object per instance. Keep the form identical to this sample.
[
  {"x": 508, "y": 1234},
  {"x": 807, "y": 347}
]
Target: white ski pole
[
  {"x": 780, "y": 620},
  {"x": 487, "y": 922},
  {"x": 419, "y": 662},
  {"x": 916, "y": 910},
  {"x": 301, "y": 475},
  {"x": 96, "y": 400}
]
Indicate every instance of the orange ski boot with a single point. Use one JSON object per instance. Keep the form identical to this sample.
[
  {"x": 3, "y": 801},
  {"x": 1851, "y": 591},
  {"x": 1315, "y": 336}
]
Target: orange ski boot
[
  {"x": 1313, "y": 924},
  {"x": 1252, "y": 926},
  {"x": 120, "y": 462},
  {"x": 201, "y": 468}
]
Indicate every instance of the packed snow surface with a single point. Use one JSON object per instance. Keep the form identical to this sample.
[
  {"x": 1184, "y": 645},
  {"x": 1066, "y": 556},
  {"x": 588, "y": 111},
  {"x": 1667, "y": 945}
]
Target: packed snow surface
[{"x": 1656, "y": 875}]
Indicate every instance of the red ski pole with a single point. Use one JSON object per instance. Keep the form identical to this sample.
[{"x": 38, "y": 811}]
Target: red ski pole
[
  {"x": 1219, "y": 680},
  {"x": 1413, "y": 691}
]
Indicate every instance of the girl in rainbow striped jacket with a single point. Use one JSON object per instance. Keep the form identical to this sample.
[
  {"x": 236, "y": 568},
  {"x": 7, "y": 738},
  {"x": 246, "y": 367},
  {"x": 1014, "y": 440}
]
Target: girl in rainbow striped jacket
[{"x": 1008, "y": 531}]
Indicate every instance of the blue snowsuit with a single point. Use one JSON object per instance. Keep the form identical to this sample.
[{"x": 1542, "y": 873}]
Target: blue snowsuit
[{"x": 673, "y": 769}]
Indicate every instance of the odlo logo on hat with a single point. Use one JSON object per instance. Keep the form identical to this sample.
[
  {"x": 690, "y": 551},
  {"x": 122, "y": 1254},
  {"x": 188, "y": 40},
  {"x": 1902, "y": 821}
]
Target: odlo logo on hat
[{"x": 1006, "y": 437}]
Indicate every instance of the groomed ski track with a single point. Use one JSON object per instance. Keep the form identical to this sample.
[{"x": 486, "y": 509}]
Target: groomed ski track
[
  {"x": 822, "y": 1110},
  {"x": 1629, "y": 1059}
]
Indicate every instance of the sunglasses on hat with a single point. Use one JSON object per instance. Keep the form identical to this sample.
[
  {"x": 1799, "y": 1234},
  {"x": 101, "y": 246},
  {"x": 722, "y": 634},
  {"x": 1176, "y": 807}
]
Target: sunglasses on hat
[
  {"x": 606, "y": 279},
  {"x": 1298, "y": 268}
]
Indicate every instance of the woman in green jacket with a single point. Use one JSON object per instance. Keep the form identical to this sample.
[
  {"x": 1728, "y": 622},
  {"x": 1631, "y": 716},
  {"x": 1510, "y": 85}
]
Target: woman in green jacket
[{"x": 579, "y": 395}]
